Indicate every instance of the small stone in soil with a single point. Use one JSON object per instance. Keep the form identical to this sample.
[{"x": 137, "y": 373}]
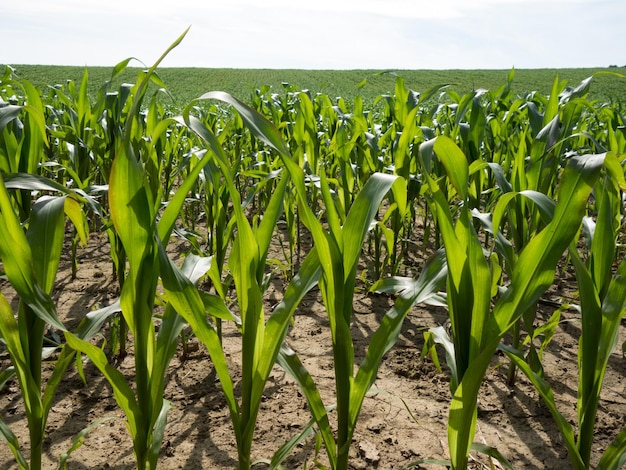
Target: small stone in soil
[
  {"x": 369, "y": 452},
  {"x": 376, "y": 427}
]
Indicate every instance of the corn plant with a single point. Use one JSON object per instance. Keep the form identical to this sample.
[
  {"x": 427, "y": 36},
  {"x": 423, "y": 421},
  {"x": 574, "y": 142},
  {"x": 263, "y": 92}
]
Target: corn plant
[
  {"x": 337, "y": 251},
  {"x": 30, "y": 257},
  {"x": 44, "y": 236},
  {"x": 86, "y": 137},
  {"x": 133, "y": 205},
  {"x": 477, "y": 329},
  {"x": 261, "y": 339},
  {"x": 562, "y": 128},
  {"x": 31, "y": 239},
  {"x": 23, "y": 138},
  {"x": 341, "y": 248},
  {"x": 602, "y": 292}
]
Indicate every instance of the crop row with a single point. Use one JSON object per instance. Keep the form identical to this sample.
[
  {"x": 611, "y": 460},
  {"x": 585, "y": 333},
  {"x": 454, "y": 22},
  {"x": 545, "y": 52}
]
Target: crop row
[
  {"x": 186, "y": 84},
  {"x": 493, "y": 189}
]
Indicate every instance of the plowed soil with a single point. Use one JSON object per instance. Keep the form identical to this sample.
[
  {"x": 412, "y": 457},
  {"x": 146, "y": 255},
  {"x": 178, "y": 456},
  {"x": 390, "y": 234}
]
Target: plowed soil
[{"x": 403, "y": 420}]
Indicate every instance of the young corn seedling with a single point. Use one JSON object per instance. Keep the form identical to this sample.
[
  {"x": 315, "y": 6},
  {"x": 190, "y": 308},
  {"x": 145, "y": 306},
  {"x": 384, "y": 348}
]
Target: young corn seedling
[
  {"x": 602, "y": 291},
  {"x": 534, "y": 178},
  {"x": 477, "y": 328},
  {"x": 23, "y": 137},
  {"x": 31, "y": 240},
  {"x": 133, "y": 206},
  {"x": 30, "y": 258},
  {"x": 261, "y": 338},
  {"x": 337, "y": 252}
]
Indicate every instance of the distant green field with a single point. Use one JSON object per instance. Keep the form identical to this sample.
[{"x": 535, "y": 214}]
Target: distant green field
[{"x": 188, "y": 83}]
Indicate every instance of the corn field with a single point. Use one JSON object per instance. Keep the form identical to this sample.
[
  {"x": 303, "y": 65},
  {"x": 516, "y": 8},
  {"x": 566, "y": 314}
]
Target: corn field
[{"x": 219, "y": 223}]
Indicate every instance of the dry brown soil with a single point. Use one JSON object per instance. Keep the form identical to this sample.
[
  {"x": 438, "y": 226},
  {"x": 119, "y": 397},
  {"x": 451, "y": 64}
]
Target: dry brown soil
[{"x": 403, "y": 420}]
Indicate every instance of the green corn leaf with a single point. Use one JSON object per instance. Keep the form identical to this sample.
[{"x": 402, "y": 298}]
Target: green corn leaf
[
  {"x": 429, "y": 93},
  {"x": 63, "y": 361},
  {"x": 431, "y": 279},
  {"x": 6, "y": 375},
  {"x": 91, "y": 325},
  {"x": 493, "y": 453},
  {"x": 553, "y": 103},
  {"x": 157, "y": 433},
  {"x": 123, "y": 394},
  {"x": 360, "y": 217},
  {"x": 455, "y": 163},
  {"x": 215, "y": 305},
  {"x": 543, "y": 203},
  {"x": 18, "y": 263},
  {"x": 14, "y": 445},
  {"x": 398, "y": 284},
  {"x": 184, "y": 297},
  {"x": 608, "y": 221},
  {"x": 73, "y": 209},
  {"x": 428, "y": 350},
  {"x": 281, "y": 454},
  {"x": 79, "y": 440},
  {"x": 143, "y": 85},
  {"x": 290, "y": 362},
  {"x": 593, "y": 280},
  {"x": 546, "y": 331},
  {"x": 392, "y": 285},
  {"x": 334, "y": 217},
  {"x": 546, "y": 393},
  {"x": 400, "y": 195},
  {"x": 8, "y": 113},
  {"x": 45, "y": 236},
  {"x": 120, "y": 67},
  {"x": 269, "y": 221},
  {"x": 598, "y": 340},
  {"x": 440, "y": 336},
  {"x": 534, "y": 270},
  {"x": 462, "y": 414},
  {"x": 32, "y": 270},
  {"x": 613, "y": 310},
  {"x": 35, "y": 124},
  {"x": 34, "y": 182},
  {"x": 481, "y": 285},
  {"x": 276, "y": 328},
  {"x": 174, "y": 206},
  {"x": 469, "y": 280},
  {"x": 402, "y": 155},
  {"x": 10, "y": 332},
  {"x": 615, "y": 170},
  {"x": 131, "y": 206},
  {"x": 75, "y": 213},
  {"x": 454, "y": 248},
  {"x": 243, "y": 263},
  {"x": 195, "y": 267},
  {"x": 171, "y": 326},
  {"x": 614, "y": 457},
  {"x": 260, "y": 126},
  {"x": 498, "y": 172}
]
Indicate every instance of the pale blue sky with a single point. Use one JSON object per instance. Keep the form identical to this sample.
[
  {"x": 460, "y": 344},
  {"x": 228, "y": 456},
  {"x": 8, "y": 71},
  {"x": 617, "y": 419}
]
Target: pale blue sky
[{"x": 320, "y": 34}]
